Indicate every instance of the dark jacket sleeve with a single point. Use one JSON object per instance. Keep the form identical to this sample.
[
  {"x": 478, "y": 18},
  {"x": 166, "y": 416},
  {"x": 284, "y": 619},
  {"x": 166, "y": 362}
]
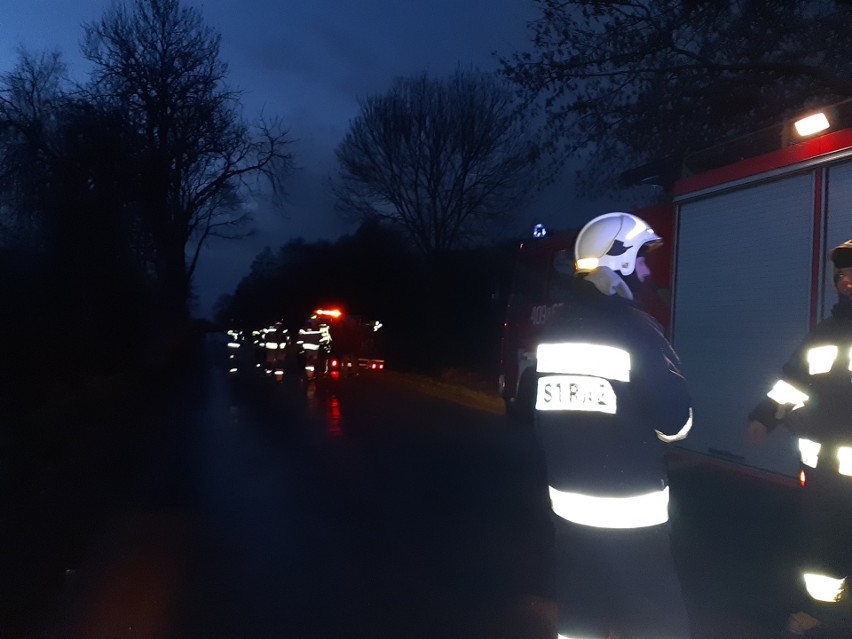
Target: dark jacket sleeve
[{"x": 664, "y": 396}]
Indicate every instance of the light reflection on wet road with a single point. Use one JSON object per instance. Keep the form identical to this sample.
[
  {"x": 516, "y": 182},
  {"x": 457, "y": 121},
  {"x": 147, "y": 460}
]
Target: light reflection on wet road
[{"x": 336, "y": 509}]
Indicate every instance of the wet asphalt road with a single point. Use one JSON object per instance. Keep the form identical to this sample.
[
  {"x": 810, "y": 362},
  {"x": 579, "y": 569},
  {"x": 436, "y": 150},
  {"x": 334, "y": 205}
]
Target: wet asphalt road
[{"x": 356, "y": 508}]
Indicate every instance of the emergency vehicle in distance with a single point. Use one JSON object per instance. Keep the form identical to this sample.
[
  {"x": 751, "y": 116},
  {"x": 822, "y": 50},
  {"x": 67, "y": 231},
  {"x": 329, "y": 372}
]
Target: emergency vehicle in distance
[
  {"x": 541, "y": 284},
  {"x": 745, "y": 258},
  {"x": 334, "y": 343}
]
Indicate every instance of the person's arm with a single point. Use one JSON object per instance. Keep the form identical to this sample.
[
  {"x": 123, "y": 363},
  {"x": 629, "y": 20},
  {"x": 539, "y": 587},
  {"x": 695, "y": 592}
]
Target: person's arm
[
  {"x": 787, "y": 394},
  {"x": 664, "y": 393},
  {"x": 678, "y": 395}
]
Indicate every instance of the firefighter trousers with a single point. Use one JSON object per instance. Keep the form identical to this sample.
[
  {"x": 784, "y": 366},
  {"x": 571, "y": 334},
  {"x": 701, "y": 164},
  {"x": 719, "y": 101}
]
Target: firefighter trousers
[{"x": 619, "y": 582}]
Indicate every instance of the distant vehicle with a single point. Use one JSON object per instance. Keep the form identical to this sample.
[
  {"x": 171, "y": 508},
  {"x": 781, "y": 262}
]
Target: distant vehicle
[{"x": 333, "y": 343}]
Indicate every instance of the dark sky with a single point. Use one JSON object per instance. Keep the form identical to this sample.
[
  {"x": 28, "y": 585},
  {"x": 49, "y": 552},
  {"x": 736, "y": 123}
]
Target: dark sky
[{"x": 309, "y": 61}]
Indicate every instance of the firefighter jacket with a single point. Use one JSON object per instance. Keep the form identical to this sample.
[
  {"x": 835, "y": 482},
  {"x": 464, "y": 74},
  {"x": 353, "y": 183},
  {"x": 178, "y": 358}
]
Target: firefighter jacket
[
  {"x": 813, "y": 397},
  {"x": 610, "y": 398}
]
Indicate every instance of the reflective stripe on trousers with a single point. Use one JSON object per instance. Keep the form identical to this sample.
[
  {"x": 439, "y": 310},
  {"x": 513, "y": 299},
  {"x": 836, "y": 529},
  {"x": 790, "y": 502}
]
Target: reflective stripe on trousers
[{"x": 638, "y": 511}]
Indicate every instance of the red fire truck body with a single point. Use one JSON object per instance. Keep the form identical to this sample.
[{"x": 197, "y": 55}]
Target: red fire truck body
[{"x": 751, "y": 278}]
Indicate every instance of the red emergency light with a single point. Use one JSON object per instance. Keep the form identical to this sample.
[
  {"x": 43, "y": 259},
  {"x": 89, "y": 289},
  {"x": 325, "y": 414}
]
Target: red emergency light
[{"x": 334, "y": 312}]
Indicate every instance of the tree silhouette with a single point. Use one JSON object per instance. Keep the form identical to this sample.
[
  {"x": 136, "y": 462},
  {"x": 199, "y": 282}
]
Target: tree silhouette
[
  {"x": 625, "y": 83},
  {"x": 158, "y": 64},
  {"x": 115, "y": 186},
  {"x": 67, "y": 176},
  {"x": 446, "y": 160},
  {"x": 32, "y": 96}
]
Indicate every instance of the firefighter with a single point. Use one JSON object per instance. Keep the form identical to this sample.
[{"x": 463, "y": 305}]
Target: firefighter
[
  {"x": 813, "y": 399},
  {"x": 610, "y": 399}
]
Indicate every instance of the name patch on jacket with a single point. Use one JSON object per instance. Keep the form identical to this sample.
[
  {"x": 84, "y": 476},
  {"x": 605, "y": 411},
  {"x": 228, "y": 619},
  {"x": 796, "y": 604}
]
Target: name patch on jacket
[
  {"x": 579, "y": 376},
  {"x": 575, "y": 392}
]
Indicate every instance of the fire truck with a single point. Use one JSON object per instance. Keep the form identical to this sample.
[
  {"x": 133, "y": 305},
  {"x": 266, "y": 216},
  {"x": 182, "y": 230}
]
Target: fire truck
[
  {"x": 743, "y": 276},
  {"x": 334, "y": 343},
  {"x": 751, "y": 278}
]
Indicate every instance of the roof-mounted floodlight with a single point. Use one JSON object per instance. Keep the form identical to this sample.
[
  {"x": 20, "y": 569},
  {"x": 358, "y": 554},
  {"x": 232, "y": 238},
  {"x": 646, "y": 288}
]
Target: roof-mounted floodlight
[{"x": 811, "y": 124}]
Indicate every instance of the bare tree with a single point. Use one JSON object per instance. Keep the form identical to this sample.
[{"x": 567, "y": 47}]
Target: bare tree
[
  {"x": 447, "y": 160},
  {"x": 32, "y": 95},
  {"x": 633, "y": 81},
  {"x": 67, "y": 176},
  {"x": 157, "y": 62}
]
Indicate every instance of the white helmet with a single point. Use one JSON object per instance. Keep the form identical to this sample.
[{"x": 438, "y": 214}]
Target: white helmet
[{"x": 613, "y": 240}]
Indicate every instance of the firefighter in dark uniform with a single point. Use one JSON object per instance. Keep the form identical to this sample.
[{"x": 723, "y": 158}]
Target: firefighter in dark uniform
[
  {"x": 610, "y": 399},
  {"x": 813, "y": 399}
]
